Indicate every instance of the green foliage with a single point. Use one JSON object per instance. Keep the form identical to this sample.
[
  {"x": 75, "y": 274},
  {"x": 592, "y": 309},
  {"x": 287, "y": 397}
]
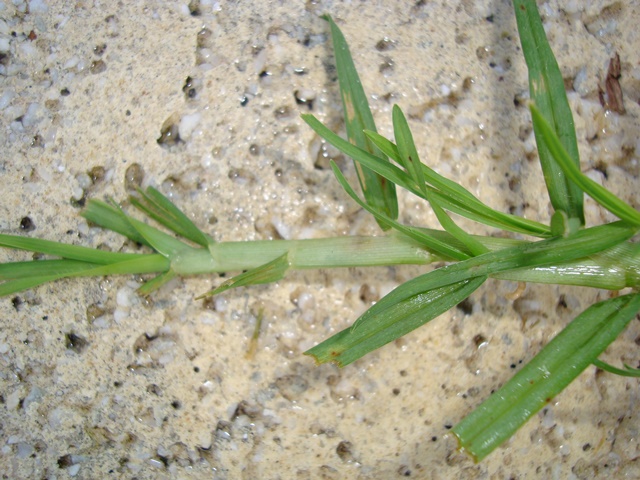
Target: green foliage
[
  {"x": 418, "y": 301},
  {"x": 267, "y": 273},
  {"x": 564, "y": 252},
  {"x": 555, "y": 366},
  {"x": 357, "y": 118},
  {"x": 546, "y": 87}
]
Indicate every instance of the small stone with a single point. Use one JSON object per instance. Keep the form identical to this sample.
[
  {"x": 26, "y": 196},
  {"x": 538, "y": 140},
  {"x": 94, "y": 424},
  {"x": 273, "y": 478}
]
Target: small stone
[{"x": 292, "y": 387}]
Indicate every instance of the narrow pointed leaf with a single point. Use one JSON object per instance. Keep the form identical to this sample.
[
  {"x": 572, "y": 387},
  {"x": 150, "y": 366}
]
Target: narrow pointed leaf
[
  {"x": 450, "y": 195},
  {"x": 527, "y": 255},
  {"x": 377, "y": 191},
  {"x": 267, "y": 273},
  {"x": 24, "y": 276},
  {"x": 40, "y": 268},
  {"x": 159, "y": 241},
  {"x": 401, "y": 304},
  {"x": 546, "y": 375},
  {"x": 458, "y": 199},
  {"x": 600, "y": 194},
  {"x": 14, "y": 286},
  {"x": 63, "y": 250},
  {"x": 384, "y": 168},
  {"x": 408, "y": 155},
  {"x": 444, "y": 249},
  {"x": 626, "y": 372},
  {"x": 162, "y": 210},
  {"x": 355, "y": 342},
  {"x": 546, "y": 87},
  {"x": 156, "y": 282},
  {"x": 474, "y": 246},
  {"x": 430, "y": 176},
  {"x": 407, "y": 149},
  {"x": 111, "y": 218}
]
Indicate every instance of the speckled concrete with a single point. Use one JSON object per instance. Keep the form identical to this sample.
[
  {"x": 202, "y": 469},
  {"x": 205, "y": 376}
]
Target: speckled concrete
[{"x": 96, "y": 382}]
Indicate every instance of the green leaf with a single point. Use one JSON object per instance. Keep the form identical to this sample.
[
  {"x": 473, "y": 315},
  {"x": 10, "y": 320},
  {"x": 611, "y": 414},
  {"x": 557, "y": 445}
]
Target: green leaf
[
  {"x": 141, "y": 264},
  {"x": 24, "y": 275},
  {"x": 546, "y": 87},
  {"x": 474, "y": 246},
  {"x": 159, "y": 241},
  {"x": 111, "y": 218},
  {"x": 19, "y": 285},
  {"x": 162, "y": 210},
  {"x": 449, "y": 194},
  {"x": 383, "y": 168},
  {"x": 444, "y": 249},
  {"x": 547, "y": 374},
  {"x": 378, "y": 192},
  {"x": 156, "y": 282},
  {"x": 442, "y": 184},
  {"x": 354, "y": 342},
  {"x": 408, "y": 155},
  {"x": 41, "y": 268},
  {"x": 627, "y": 372},
  {"x": 76, "y": 261},
  {"x": 527, "y": 255},
  {"x": 267, "y": 273},
  {"x": 407, "y": 152},
  {"x": 600, "y": 194},
  {"x": 75, "y": 252},
  {"x": 393, "y": 316}
]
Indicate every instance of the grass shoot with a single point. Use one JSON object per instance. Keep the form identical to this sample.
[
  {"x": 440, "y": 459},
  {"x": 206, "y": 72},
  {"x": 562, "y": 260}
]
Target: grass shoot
[{"x": 564, "y": 250}]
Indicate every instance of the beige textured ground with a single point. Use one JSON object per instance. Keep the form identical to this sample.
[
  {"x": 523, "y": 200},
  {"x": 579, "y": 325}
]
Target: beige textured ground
[{"x": 96, "y": 382}]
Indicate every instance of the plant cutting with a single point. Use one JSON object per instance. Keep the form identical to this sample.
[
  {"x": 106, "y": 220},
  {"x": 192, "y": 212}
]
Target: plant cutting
[{"x": 564, "y": 251}]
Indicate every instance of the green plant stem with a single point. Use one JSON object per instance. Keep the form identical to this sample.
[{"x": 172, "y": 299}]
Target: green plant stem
[
  {"x": 333, "y": 252},
  {"x": 612, "y": 269},
  {"x": 419, "y": 300}
]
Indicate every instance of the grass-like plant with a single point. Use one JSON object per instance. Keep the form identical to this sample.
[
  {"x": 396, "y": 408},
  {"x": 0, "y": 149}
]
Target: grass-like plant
[{"x": 565, "y": 252}]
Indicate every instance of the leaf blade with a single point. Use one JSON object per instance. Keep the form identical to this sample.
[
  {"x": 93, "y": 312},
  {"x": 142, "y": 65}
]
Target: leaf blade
[
  {"x": 600, "y": 194},
  {"x": 269, "y": 272},
  {"x": 547, "y": 374},
  {"x": 450, "y": 195},
  {"x": 377, "y": 191},
  {"x": 344, "y": 347},
  {"x": 162, "y": 210},
  {"x": 546, "y": 87},
  {"x": 354, "y": 342}
]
